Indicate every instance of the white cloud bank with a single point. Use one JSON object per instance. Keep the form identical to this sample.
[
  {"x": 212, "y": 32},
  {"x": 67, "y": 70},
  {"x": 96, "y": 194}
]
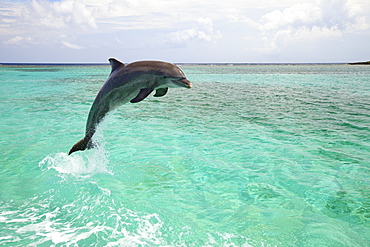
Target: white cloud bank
[
  {"x": 59, "y": 15},
  {"x": 203, "y": 31},
  {"x": 310, "y": 22},
  {"x": 43, "y": 23},
  {"x": 233, "y": 30}
]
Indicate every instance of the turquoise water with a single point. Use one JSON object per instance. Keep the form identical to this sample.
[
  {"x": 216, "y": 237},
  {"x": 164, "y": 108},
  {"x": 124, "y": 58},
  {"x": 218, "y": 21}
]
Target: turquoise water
[{"x": 259, "y": 155}]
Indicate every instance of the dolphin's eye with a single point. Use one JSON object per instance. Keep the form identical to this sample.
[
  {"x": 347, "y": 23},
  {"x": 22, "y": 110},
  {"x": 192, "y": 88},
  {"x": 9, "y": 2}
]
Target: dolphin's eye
[{"x": 165, "y": 77}]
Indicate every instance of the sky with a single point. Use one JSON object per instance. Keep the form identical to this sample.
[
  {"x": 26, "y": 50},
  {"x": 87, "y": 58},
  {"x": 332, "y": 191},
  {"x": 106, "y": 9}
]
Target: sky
[{"x": 185, "y": 31}]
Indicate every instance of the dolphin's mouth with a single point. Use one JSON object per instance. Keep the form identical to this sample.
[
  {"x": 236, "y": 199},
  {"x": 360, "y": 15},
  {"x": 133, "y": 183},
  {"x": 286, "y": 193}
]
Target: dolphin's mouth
[{"x": 183, "y": 82}]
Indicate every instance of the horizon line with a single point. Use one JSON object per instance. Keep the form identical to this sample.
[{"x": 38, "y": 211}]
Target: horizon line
[{"x": 179, "y": 63}]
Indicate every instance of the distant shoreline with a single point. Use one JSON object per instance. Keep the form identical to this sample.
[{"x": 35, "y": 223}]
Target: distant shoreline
[{"x": 360, "y": 63}]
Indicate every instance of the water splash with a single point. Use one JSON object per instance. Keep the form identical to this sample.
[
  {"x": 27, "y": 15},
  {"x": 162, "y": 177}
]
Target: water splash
[{"x": 81, "y": 164}]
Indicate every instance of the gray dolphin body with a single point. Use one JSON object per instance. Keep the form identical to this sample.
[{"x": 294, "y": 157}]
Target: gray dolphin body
[{"x": 130, "y": 83}]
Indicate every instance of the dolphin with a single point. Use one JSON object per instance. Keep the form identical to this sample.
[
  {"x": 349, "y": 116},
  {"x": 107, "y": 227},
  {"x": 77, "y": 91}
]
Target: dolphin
[{"x": 130, "y": 83}]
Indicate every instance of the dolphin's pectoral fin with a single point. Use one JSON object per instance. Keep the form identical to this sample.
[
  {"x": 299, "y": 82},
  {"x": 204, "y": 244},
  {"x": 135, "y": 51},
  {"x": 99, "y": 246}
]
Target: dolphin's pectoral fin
[
  {"x": 142, "y": 95},
  {"x": 160, "y": 92}
]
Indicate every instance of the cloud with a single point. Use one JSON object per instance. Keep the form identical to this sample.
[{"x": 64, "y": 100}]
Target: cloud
[
  {"x": 63, "y": 14},
  {"x": 72, "y": 46},
  {"x": 310, "y": 22},
  {"x": 17, "y": 40},
  {"x": 44, "y": 22},
  {"x": 203, "y": 31},
  {"x": 300, "y": 14}
]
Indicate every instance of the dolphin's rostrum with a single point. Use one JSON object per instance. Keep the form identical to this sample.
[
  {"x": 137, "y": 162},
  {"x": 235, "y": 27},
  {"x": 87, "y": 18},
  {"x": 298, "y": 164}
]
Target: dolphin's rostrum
[{"x": 130, "y": 83}]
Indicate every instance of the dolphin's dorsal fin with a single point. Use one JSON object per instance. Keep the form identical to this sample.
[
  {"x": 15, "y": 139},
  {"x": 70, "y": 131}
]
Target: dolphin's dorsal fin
[{"x": 115, "y": 64}]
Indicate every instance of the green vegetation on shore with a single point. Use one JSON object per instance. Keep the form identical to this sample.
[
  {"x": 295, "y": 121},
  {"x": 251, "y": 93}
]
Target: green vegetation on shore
[{"x": 360, "y": 63}]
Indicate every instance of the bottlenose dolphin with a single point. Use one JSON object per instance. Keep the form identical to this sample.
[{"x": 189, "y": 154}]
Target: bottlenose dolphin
[{"x": 130, "y": 83}]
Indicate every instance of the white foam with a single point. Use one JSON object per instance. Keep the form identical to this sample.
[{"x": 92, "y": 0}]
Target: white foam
[
  {"x": 79, "y": 164},
  {"x": 50, "y": 230},
  {"x": 148, "y": 232}
]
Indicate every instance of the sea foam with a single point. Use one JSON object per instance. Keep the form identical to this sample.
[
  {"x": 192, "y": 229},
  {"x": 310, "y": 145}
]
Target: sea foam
[{"x": 82, "y": 164}]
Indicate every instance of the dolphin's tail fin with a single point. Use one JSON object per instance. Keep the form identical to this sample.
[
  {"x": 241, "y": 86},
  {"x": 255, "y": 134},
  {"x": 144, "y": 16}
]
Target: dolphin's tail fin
[{"x": 81, "y": 145}]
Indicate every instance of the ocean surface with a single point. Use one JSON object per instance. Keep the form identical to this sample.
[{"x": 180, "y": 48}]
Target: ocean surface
[{"x": 252, "y": 155}]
